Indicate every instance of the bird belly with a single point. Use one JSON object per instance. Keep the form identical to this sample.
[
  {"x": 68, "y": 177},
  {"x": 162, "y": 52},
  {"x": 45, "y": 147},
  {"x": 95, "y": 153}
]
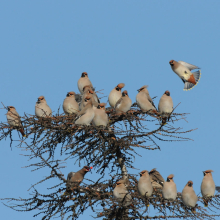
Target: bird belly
[
  {"x": 114, "y": 96},
  {"x": 183, "y": 72},
  {"x": 100, "y": 120},
  {"x": 208, "y": 189}
]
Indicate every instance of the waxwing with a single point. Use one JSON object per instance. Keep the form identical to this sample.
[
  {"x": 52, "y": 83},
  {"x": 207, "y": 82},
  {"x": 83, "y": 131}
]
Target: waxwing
[
  {"x": 41, "y": 108},
  {"x": 121, "y": 194},
  {"x": 70, "y": 106},
  {"x": 115, "y": 94},
  {"x": 84, "y": 81},
  {"x": 169, "y": 190},
  {"x": 124, "y": 103},
  {"x": 100, "y": 118},
  {"x": 183, "y": 70},
  {"x": 207, "y": 186},
  {"x": 145, "y": 188},
  {"x": 14, "y": 119}
]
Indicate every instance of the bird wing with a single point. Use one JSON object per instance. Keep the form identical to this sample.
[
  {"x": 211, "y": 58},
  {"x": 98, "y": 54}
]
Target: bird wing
[
  {"x": 118, "y": 102},
  {"x": 150, "y": 100},
  {"x": 155, "y": 176},
  {"x": 70, "y": 175},
  {"x": 188, "y": 65}
]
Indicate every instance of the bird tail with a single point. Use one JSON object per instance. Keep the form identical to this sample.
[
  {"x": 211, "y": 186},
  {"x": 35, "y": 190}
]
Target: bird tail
[
  {"x": 189, "y": 85},
  {"x": 22, "y": 132}
]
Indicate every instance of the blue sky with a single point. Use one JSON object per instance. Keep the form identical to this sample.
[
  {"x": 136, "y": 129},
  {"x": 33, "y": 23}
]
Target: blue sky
[{"x": 46, "y": 45}]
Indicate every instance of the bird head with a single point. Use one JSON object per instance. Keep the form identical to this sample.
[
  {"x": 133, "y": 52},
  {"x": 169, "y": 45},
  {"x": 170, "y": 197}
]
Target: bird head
[
  {"x": 70, "y": 94},
  {"x": 124, "y": 93},
  {"x": 40, "y": 99},
  {"x": 142, "y": 88},
  {"x": 144, "y": 172},
  {"x": 101, "y": 106},
  {"x": 190, "y": 183},
  {"x": 207, "y": 172},
  {"x": 172, "y": 62},
  {"x": 167, "y": 93},
  {"x": 170, "y": 178},
  {"x": 10, "y": 108},
  {"x": 84, "y": 74},
  {"x": 120, "y": 86}
]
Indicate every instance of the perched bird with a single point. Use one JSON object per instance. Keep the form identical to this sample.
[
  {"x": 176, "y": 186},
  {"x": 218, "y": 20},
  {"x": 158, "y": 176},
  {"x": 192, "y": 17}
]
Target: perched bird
[
  {"x": 75, "y": 178},
  {"x": 70, "y": 106},
  {"x": 145, "y": 188},
  {"x": 100, "y": 118},
  {"x": 121, "y": 193},
  {"x": 41, "y": 108},
  {"x": 124, "y": 103},
  {"x": 165, "y": 106},
  {"x": 156, "y": 179},
  {"x": 183, "y": 70},
  {"x": 169, "y": 190},
  {"x": 144, "y": 101},
  {"x": 89, "y": 90},
  {"x": 115, "y": 94},
  {"x": 86, "y": 115},
  {"x": 189, "y": 196},
  {"x": 207, "y": 186},
  {"x": 84, "y": 81},
  {"x": 85, "y": 101},
  {"x": 14, "y": 120}
]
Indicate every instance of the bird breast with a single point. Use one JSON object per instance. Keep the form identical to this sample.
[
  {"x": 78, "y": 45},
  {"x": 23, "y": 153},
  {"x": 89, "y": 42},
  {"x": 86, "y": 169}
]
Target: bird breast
[{"x": 113, "y": 97}]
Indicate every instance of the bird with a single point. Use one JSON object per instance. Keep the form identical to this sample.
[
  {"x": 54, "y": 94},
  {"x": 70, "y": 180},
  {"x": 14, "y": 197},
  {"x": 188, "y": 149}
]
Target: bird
[
  {"x": 207, "y": 186},
  {"x": 89, "y": 90},
  {"x": 84, "y": 81},
  {"x": 156, "y": 179},
  {"x": 100, "y": 118},
  {"x": 183, "y": 70},
  {"x": 121, "y": 193},
  {"x": 85, "y": 101},
  {"x": 75, "y": 178},
  {"x": 165, "y": 107},
  {"x": 145, "y": 188},
  {"x": 115, "y": 94},
  {"x": 124, "y": 103},
  {"x": 85, "y": 116},
  {"x": 144, "y": 101},
  {"x": 41, "y": 108},
  {"x": 169, "y": 190},
  {"x": 70, "y": 106},
  {"x": 14, "y": 119},
  {"x": 189, "y": 196}
]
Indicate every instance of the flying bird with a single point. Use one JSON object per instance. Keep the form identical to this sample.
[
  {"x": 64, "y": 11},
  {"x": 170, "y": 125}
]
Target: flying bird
[{"x": 183, "y": 70}]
